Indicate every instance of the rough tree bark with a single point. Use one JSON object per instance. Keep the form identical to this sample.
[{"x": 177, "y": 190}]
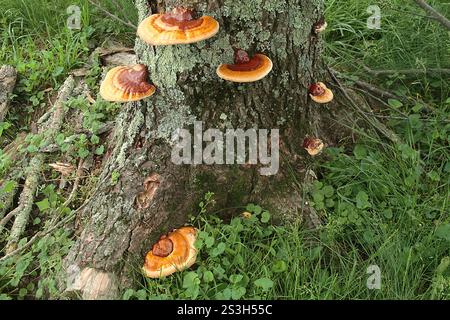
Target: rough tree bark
[{"x": 126, "y": 215}]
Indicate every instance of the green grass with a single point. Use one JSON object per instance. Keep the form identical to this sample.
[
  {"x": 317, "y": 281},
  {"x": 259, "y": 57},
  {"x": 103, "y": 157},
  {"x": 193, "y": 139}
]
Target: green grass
[
  {"x": 36, "y": 40},
  {"x": 383, "y": 204}
]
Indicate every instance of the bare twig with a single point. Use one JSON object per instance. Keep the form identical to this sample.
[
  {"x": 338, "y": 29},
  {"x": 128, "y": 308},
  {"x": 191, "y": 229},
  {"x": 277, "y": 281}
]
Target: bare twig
[
  {"x": 436, "y": 15},
  {"x": 120, "y": 8},
  {"x": 378, "y": 91},
  {"x": 109, "y": 14},
  {"x": 75, "y": 184},
  {"x": 382, "y": 93},
  {"x": 407, "y": 71},
  {"x": 375, "y": 123}
]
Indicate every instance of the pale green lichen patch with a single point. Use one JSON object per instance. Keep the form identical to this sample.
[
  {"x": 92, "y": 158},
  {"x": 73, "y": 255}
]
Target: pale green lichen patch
[
  {"x": 130, "y": 133},
  {"x": 243, "y": 10}
]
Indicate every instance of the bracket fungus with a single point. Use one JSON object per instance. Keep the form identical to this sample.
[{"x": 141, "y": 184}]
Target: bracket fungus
[
  {"x": 124, "y": 84},
  {"x": 320, "y": 93},
  {"x": 173, "y": 252},
  {"x": 313, "y": 146},
  {"x": 245, "y": 69},
  {"x": 176, "y": 27}
]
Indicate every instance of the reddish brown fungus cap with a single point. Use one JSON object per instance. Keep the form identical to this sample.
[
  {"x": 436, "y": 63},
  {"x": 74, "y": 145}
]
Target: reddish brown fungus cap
[
  {"x": 123, "y": 84},
  {"x": 172, "y": 253},
  {"x": 245, "y": 68},
  {"x": 176, "y": 27},
  {"x": 313, "y": 146},
  {"x": 320, "y": 93}
]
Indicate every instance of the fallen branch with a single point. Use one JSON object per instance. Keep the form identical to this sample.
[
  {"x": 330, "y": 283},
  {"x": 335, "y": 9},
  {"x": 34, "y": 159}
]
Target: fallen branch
[
  {"x": 436, "y": 15},
  {"x": 8, "y": 76},
  {"x": 11, "y": 151},
  {"x": 22, "y": 212},
  {"x": 37, "y": 236},
  {"x": 375, "y": 123},
  {"x": 407, "y": 71},
  {"x": 384, "y": 94},
  {"x": 50, "y": 129},
  {"x": 108, "y": 126},
  {"x": 54, "y": 222}
]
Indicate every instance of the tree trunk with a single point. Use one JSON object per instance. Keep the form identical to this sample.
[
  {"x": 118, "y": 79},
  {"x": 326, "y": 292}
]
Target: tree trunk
[{"x": 141, "y": 194}]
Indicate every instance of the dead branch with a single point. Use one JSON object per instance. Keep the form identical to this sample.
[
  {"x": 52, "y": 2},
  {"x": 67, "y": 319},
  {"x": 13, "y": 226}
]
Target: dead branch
[
  {"x": 384, "y": 94},
  {"x": 436, "y": 15},
  {"x": 50, "y": 129},
  {"x": 407, "y": 71},
  {"x": 373, "y": 121},
  {"x": 8, "y": 76},
  {"x": 54, "y": 222},
  {"x": 22, "y": 212}
]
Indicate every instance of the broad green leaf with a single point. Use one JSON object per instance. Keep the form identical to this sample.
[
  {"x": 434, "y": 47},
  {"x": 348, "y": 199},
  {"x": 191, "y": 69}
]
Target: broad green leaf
[
  {"x": 43, "y": 205},
  {"x": 362, "y": 200},
  {"x": 264, "y": 283}
]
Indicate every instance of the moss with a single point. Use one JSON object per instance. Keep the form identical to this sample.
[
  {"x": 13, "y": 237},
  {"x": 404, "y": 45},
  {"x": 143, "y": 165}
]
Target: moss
[
  {"x": 205, "y": 179},
  {"x": 238, "y": 190}
]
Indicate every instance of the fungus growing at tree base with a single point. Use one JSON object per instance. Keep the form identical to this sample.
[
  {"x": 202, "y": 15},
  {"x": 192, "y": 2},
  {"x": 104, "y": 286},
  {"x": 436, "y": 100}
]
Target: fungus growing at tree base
[{"x": 173, "y": 252}]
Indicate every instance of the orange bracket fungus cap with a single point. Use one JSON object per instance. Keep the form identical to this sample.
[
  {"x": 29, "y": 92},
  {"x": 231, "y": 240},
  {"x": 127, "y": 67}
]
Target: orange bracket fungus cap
[
  {"x": 245, "y": 69},
  {"x": 313, "y": 146},
  {"x": 176, "y": 27},
  {"x": 320, "y": 93},
  {"x": 173, "y": 252},
  {"x": 123, "y": 84}
]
